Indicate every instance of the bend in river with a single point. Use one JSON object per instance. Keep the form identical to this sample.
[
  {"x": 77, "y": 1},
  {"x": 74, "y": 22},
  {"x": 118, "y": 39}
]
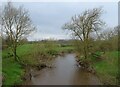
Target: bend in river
[{"x": 65, "y": 73}]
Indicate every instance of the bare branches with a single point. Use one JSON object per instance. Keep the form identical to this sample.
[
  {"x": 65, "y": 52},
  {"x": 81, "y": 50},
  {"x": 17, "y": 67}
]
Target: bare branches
[
  {"x": 82, "y": 25},
  {"x": 16, "y": 23},
  {"x": 88, "y": 21}
]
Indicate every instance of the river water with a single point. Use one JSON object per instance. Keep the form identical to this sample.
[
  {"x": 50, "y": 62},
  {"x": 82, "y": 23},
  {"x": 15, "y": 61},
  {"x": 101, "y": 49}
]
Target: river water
[{"x": 65, "y": 72}]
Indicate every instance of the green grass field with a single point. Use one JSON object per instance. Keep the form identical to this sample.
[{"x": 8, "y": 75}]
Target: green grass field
[
  {"x": 107, "y": 68},
  {"x": 29, "y": 54}
]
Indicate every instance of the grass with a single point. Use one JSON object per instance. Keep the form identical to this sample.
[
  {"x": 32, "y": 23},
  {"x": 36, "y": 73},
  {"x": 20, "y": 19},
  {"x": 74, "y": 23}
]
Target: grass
[
  {"x": 31, "y": 54},
  {"x": 0, "y": 62},
  {"x": 107, "y": 68},
  {"x": 12, "y": 72}
]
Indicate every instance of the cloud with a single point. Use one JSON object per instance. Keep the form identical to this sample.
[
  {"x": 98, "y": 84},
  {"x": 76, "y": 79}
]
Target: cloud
[
  {"x": 42, "y": 36},
  {"x": 50, "y": 16}
]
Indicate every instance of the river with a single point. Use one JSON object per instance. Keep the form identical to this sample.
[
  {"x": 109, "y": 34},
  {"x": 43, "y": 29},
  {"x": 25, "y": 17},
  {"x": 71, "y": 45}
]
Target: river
[{"x": 65, "y": 72}]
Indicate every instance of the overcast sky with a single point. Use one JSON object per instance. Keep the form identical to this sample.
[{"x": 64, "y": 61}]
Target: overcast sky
[{"x": 49, "y": 17}]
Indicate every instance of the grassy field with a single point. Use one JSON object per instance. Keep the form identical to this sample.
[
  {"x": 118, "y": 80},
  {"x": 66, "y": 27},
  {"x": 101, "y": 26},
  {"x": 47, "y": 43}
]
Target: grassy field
[
  {"x": 107, "y": 68},
  {"x": 31, "y": 54}
]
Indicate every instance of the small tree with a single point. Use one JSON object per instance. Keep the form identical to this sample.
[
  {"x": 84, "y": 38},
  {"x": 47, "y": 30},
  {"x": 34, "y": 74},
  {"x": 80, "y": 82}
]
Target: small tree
[
  {"x": 16, "y": 24},
  {"x": 82, "y": 25}
]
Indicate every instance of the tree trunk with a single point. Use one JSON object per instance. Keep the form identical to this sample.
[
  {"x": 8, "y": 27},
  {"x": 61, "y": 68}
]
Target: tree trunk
[
  {"x": 85, "y": 49},
  {"x": 85, "y": 53},
  {"x": 15, "y": 53}
]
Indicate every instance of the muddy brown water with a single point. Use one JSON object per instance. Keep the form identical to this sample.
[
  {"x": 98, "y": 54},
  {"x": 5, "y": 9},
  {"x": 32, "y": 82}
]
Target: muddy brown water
[{"x": 65, "y": 72}]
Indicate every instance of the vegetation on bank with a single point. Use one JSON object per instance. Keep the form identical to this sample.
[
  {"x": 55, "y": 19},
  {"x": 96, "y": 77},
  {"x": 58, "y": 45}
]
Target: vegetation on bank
[
  {"x": 104, "y": 59},
  {"x": 107, "y": 67},
  {"x": 30, "y": 54},
  {"x": 12, "y": 72}
]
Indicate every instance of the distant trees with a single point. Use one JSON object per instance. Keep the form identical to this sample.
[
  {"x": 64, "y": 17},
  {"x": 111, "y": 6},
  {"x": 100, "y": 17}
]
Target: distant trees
[
  {"x": 109, "y": 39},
  {"x": 83, "y": 25},
  {"x": 117, "y": 36},
  {"x": 23, "y": 40},
  {"x": 16, "y": 24}
]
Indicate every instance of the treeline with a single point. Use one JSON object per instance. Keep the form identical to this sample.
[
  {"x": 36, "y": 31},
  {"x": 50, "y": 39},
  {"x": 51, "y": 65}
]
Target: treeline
[
  {"x": 108, "y": 40},
  {"x": 62, "y": 43}
]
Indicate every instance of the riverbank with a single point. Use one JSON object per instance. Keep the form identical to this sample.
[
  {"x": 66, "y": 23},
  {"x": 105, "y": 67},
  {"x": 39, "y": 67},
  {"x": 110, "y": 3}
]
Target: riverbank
[
  {"x": 64, "y": 72},
  {"x": 104, "y": 65},
  {"x": 41, "y": 55},
  {"x": 107, "y": 68},
  {"x": 33, "y": 55}
]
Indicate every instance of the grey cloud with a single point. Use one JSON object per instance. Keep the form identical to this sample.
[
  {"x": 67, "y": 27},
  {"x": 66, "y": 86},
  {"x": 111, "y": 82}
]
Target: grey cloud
[{"x": 50, "y": 16}]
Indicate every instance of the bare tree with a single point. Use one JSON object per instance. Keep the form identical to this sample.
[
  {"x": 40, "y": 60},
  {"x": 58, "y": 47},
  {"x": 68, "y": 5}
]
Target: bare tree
[
  {"x": 107, "y": 34},
  {"x": 82, "y": 25},
  {"x": 16, "y": 24},
  {"x": 108, "y": 40}
]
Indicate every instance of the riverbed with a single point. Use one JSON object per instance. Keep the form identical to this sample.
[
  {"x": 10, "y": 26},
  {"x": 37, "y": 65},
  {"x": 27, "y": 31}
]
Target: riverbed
[{"x": 64, "y": 72}]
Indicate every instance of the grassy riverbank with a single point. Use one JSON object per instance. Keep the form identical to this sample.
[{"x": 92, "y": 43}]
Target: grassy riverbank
[
  {"x": 107, "y": 67},
  {"x": 42, "y": 53},
  {"x": 32, "y": 55}
]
